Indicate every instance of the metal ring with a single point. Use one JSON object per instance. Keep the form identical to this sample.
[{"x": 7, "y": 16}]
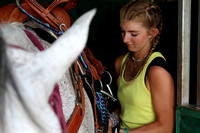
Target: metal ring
[
  {"x": 101, "y": 84},
  {"x": 110, "y": 77},
  {"x": 60, "y": 27}
]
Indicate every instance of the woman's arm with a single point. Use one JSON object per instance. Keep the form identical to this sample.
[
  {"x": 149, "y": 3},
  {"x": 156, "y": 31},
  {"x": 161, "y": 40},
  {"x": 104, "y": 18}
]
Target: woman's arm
[{"x": 161, "y": 86}]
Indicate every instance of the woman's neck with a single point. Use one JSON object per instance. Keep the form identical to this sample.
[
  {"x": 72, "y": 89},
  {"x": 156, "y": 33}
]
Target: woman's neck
[{"x": 140, "y": 54}]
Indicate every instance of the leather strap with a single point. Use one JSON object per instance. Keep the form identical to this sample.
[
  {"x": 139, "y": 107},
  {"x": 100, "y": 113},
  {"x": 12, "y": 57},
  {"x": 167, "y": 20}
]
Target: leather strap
[
  {"x": 95, "y": 107},
  {"x": 95, "y": 69},
  {"x": 92, "y": 69},
  {"x": 46, "y": 13},
  {"x": 76, "y": 119},
  {"x": 11, "y": 13},
  {"x": 97, "y": 64},
  {"x": 95, "y": 76}
]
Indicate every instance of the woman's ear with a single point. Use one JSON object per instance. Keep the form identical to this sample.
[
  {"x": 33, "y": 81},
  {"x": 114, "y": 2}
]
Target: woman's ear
[{"x": 153, "y": 32}]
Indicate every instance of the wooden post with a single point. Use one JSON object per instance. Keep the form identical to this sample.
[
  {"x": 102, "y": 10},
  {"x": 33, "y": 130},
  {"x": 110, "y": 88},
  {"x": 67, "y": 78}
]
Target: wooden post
[{"x": 183, "y": 70}]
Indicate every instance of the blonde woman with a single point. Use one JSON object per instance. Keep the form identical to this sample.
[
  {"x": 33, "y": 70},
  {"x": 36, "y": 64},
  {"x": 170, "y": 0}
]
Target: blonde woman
[{"x": 145, "y": 87}]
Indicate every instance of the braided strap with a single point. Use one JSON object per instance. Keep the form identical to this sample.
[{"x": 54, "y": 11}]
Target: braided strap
[
  {"x": 47, "y": 26},
  {"x": 102, "y": 107},
  {"x": 124, "y": 130},
  {"x": 114, "y": 119}
]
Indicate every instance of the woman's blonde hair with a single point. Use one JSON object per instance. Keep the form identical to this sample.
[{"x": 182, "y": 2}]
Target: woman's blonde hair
[
  {"x": 144, "y": 11},
  {"x": 147, "y": 13}
]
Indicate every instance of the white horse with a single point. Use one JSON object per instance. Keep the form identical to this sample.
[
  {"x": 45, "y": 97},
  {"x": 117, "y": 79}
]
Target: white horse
[{"x": 28, "y": 78}]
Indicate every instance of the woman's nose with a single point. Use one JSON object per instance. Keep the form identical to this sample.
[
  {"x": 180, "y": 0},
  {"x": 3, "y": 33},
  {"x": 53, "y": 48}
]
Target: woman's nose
[{"x": 125, "y": 38}]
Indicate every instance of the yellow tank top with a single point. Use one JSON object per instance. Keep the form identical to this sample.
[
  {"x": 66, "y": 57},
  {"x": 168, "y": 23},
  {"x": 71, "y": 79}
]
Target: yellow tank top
[{"x": 135, "y": 99}]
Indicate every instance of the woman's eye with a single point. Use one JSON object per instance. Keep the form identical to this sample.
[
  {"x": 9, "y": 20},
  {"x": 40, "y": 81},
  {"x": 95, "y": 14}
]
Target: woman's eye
[{"x": 132, "y": 34}]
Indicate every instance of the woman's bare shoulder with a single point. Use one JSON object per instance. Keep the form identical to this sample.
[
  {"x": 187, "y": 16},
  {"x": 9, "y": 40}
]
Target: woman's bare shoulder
[{"x": 158, "y": 76}]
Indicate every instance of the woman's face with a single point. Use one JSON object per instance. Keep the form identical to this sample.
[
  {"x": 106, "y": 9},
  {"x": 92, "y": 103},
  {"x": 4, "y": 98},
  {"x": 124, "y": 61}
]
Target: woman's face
[{"x": 135, "y": 36}]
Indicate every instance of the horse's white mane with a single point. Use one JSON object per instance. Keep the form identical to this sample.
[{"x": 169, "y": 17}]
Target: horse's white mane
[{"x": 35, "y": 74}]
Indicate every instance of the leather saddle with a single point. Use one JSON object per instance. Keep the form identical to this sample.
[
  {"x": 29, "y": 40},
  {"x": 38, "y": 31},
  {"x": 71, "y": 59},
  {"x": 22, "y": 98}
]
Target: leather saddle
[{"x": 52, "y": 14}]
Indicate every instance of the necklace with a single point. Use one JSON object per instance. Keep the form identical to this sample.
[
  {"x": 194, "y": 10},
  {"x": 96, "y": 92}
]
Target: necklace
[
  {"x": 135, "y": 69},
  {"x": 141, "y": 59},
  {"x": 137, "y": 66}
]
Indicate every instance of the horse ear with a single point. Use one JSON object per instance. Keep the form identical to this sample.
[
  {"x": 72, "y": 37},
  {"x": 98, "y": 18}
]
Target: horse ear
[
  {"x": 69, "y": 45},
  {"x": 42, "y": 70}
]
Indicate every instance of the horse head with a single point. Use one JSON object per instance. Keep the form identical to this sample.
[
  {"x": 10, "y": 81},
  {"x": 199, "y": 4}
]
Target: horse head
[{"x": 32, "y": 76}]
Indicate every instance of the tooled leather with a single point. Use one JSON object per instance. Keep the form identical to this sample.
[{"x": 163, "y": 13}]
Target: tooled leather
[
  {"x": 11, "y": 13},
  {"x": 61, "y": 16}
]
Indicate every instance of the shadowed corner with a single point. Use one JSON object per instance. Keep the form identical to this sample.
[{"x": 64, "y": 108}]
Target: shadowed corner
[{"x": 3, "y": 72}]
